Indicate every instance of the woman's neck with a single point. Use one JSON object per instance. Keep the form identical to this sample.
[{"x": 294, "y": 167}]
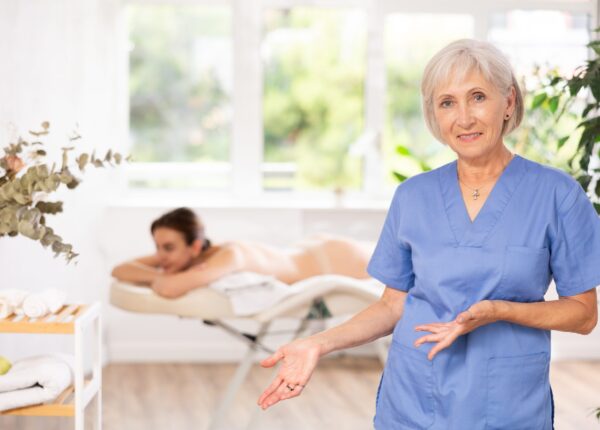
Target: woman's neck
[
  {"x": 206, "y": 254},
  {"x": 483, "y": 169}
]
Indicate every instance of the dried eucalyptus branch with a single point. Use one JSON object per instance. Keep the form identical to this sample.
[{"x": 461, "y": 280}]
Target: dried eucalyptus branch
[{"x": 23, "y": 209}]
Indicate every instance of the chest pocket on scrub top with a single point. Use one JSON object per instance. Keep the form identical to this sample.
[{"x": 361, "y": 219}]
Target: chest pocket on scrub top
[{"x": 525, "y": 273}]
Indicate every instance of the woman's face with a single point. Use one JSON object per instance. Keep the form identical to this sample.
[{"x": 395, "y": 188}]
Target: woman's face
[
  {"x": 471, "y": 113},
  {"x": 173, "y": 252}
]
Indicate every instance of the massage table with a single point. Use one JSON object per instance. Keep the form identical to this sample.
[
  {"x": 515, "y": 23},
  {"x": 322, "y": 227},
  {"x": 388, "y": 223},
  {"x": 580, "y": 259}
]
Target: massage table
[{"x": 317, "y": 299}]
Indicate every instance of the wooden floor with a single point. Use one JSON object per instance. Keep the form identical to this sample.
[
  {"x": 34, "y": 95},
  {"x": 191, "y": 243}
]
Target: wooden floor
[{"x": 341, "y": 395}]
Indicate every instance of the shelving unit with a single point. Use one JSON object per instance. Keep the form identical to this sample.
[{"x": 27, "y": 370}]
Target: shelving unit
[{"x": 73, "y": 319}]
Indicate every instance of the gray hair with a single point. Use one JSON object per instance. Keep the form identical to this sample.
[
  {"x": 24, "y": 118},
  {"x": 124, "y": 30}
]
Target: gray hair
[{"x": 461, "y": 57}]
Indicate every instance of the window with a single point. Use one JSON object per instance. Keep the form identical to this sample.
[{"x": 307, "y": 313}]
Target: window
[
  {"x": 541, "y": 38},
  {"x": 314, "y": 71},
  {"x": 410, "y": 41},
  {"x": 302, "y": 69},
  {"x": 536, "y": 42},
  {"x": 180, "y": 89}
]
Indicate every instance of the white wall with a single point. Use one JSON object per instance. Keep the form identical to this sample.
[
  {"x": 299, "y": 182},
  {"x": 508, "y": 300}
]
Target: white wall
[{"x": 59, "y": 64}]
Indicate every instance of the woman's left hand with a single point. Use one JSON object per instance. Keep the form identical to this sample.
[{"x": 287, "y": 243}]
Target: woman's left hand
[{"x": 444, "y": 334}]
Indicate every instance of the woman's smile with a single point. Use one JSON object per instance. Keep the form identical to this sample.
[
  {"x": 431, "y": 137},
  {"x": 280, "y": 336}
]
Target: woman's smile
[{"x": 469, "y": 137}]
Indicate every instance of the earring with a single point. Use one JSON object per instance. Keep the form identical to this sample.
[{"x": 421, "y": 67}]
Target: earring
[{"x": 507, "y": 116}]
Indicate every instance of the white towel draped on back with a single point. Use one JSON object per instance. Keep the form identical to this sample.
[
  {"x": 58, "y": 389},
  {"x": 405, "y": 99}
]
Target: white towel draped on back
[
  {"x": 251, "y": 292},
  {"x": 35, "y": 380}
]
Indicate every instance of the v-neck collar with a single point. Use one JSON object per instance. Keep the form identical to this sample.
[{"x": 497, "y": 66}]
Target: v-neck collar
[{"x": 473, "y": 233}]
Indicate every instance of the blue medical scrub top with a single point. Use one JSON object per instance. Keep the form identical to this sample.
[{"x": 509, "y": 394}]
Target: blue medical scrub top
[{"x": 537, "y": 223}]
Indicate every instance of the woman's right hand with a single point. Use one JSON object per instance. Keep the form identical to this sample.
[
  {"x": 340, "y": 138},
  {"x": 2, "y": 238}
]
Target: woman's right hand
[{"x": 299, "y": 359}]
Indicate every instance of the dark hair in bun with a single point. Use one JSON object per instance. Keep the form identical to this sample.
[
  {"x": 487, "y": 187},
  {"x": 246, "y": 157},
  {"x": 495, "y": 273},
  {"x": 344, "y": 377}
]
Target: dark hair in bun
[{"x": 185, "y": 221}]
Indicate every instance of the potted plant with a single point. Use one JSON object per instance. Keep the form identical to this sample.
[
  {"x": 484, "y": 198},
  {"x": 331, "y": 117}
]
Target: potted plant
[{"x": 581, "y": 93}]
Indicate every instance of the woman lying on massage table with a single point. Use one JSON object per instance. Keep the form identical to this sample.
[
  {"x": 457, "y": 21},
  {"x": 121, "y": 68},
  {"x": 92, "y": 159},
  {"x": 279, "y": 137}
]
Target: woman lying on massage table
[{"x": 185, "y": 259}]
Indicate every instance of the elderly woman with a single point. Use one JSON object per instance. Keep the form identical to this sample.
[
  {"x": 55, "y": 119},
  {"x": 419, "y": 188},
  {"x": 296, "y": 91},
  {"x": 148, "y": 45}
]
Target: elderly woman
[{"x": 467, "y": 252}]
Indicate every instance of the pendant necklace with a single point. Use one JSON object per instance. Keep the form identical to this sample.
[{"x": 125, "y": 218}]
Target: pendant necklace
[{"x": 475, "y": 191}]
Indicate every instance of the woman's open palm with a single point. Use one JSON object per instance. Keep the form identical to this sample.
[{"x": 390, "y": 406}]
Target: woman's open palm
[{"x": 298, "y": 361}]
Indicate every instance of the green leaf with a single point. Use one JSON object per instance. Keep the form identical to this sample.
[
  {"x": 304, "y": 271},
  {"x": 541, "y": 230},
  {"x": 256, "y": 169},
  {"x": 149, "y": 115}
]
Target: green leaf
[
  {"x": 400, "y": 177},
  {"x": 575, "y": 84},
  {"x": 20, "y": 198},
  {"x": 562, "y": 141},
  {"x": 584, "y": 163},
  {"x": 49, "y": 184},
  {"x": 538, "y": 100},
  {"x": 60, "y": 247},
  {"x": 584, "y": 180},
  {"x": 73, "y": 184},
  {"x": 555, "y": 80},
  {"x": 50, "y": 207},
  {"x": 553, "y": 103},
  {"x": 65, "y": 176},
  {"x": 403, "y": 150},
  {"x": 49, "y": 237},
  {"x": 595, "y": 45},
  {"x": 82, "y": 161},
  {"x": 597, "y": 207},
  {"x": 27, "y": 229},
  {"x": 588, "y": 109},
  {"x": 595, "y": 88}
]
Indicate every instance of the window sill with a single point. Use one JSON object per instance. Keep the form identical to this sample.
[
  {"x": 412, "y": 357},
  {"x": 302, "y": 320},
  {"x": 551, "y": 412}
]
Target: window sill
[{"x": 268, "y": 200}]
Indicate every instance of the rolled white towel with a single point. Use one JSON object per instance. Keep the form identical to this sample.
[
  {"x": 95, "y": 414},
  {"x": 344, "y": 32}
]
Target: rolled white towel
[
  {"x": 35, "y": 380},
  {"x": 55, "y": 299},
  {"x": 14, "y": 297},
  {"x": 6, "y": 309},
  {"x": 40, "y": 304},
  {"x": 35, "y": 306}
]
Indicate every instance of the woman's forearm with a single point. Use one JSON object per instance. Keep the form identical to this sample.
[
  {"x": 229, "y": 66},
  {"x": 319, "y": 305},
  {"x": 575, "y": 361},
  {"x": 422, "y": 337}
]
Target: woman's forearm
[
  {"x": 564, "y": 314},
  {"x": 376, "y": 321},
  {"x": 136, "y": 273}
]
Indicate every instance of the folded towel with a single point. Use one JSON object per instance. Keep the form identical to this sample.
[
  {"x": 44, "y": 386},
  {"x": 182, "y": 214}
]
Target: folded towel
[
  {"x": 40, "y": 304},
  {"x": 251, "y": 292},
  {"x": 35, "y": 380}
]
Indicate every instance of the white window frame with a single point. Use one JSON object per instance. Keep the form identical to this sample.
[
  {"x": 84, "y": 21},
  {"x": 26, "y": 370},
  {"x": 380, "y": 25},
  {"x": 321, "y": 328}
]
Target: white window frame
[{"x": 246, "y": 168}]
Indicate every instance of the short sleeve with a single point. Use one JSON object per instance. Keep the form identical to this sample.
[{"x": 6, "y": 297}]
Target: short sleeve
[
  {"x": 575, "y": 251},
  {"x": 391, "y": 262}
]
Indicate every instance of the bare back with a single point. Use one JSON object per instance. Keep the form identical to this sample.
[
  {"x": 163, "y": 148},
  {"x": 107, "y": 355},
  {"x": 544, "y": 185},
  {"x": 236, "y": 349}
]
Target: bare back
[{"x": 316, "y": 255}]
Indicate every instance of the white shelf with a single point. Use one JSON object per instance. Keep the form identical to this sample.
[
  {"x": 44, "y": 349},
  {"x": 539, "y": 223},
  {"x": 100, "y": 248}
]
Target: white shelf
[{"x": 72, "y": 319}]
